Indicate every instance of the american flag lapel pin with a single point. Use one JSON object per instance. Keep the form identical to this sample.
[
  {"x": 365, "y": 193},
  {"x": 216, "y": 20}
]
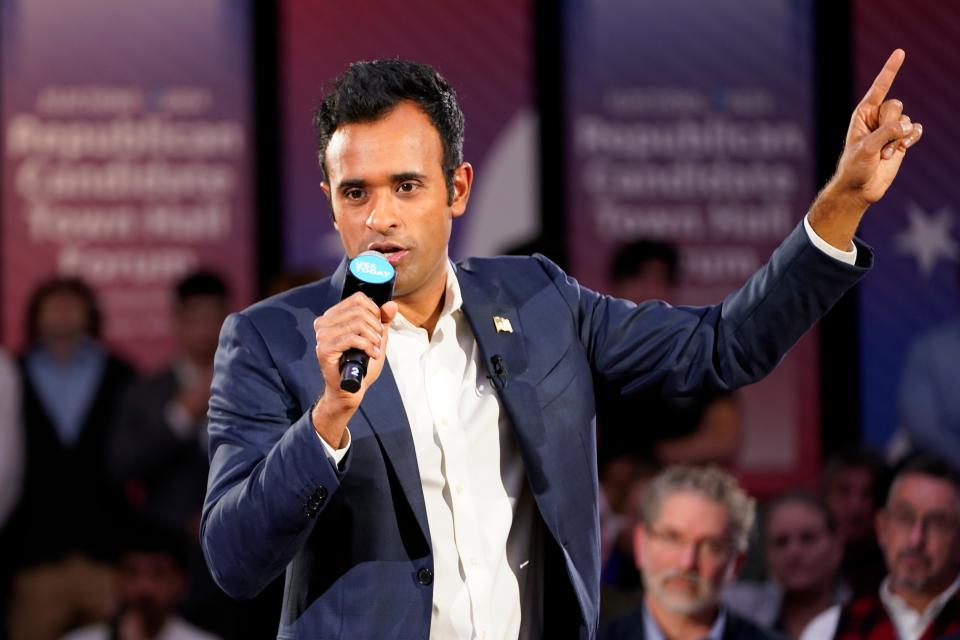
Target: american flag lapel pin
[{"x": 502, "y": 325}]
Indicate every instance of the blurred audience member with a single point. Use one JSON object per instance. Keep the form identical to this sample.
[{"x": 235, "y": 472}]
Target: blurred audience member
[
  {"x": 158, "y": 449},
  {"x": 689, "y": 545},
  {"x": 802, "y": 550},
  {"x": 917, "y": 529},
  {"x": 690, "y": 430},
  {"x": 929, "y": 398},
  {"x": 852, "y": 483},
  {"x": 159, "y": 446},
  {"x": 152, "y": 580},
  {"x": 11, "y": 438},
  {"x": 623, "y": 482},
  {"x": 62, "y": 535}
]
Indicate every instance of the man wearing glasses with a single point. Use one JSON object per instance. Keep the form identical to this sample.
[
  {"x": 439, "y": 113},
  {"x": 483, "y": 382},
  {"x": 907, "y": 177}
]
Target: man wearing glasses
[
  {"x": 917, "y": 530},
  {"x": 689, "y": 545}
]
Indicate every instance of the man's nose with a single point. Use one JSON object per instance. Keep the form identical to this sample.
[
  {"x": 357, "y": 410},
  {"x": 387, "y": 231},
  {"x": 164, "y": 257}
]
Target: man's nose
[
  {"x": 383, "y": 214},
  {"x": 688, "y": 556}
]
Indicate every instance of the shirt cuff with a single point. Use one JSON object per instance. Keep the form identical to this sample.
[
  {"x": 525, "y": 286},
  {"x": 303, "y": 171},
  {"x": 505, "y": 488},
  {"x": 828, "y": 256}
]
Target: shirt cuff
[
  {"x": 336, "y": 455},
  {"x": 849, "y": 257}
]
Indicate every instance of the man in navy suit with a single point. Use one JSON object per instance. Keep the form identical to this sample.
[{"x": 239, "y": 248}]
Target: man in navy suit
[{"x": 455, "y": 494}]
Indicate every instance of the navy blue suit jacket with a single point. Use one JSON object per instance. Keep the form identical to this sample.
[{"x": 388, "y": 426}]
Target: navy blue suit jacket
[{"x": 354, "y": 541}]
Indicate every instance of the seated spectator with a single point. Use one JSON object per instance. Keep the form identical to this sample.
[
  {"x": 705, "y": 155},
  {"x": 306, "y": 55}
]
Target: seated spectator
[
  {"x": 152, "y": 580},
  {"x": 852, "y": 484},
  {"x": 917, "y": 529},
  {"x": 802, "y": 550},
  {"x": 158, "y": 448},
  {"x": 690, "y": 430},
  {"x": 61, "y": 538},
  {"x": 689, "y": 545},
  {"x": 623, "y": 481}
]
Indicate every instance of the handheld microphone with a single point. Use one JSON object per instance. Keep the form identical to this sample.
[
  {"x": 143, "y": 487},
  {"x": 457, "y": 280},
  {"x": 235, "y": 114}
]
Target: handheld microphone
[{"x": 371, "y": 273}]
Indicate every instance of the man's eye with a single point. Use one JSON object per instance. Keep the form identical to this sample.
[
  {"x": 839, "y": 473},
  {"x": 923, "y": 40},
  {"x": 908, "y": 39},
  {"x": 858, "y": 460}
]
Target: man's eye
[
  {"x": 406, "y": 187},
  {"x": 353, "y": 194}
]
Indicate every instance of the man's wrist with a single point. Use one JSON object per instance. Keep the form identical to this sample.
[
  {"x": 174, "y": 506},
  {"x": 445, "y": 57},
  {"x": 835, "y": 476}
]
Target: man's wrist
[
  {"x": 835, "y": 215},
  {"x": 332, "y": 430}
]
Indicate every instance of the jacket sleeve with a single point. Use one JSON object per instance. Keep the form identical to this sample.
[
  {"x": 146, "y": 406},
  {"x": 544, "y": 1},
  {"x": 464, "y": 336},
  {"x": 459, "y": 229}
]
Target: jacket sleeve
[
  {"x": 685, "y": 350},
  {"x": 269, "y": 475}
]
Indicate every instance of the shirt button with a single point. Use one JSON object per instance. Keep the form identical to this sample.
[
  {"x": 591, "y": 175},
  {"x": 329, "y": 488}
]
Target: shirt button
[
  {"x": 474, "y": 562},
  {"x": 425, "y": 576},
  {"x": 459, "y": 489}
]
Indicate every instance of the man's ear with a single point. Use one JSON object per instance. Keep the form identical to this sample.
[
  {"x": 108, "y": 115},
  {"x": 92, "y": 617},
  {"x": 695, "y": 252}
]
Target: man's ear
[
  {"x": 462, "y": 182},
  {"x": 326, "y": 191}
]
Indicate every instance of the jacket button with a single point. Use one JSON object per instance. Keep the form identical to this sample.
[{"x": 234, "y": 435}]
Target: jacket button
[{"x": 425, "y": 576}]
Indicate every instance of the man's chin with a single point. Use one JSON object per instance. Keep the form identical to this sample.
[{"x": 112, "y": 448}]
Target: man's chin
[{"x": 686, "y": 605}]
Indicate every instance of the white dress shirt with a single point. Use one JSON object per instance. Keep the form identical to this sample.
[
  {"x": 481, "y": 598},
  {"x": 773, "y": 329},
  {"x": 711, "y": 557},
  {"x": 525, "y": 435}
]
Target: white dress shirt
[
  {"x": 907, "y": 621},
  {"x": 485, "y": 533},
  {"x": 910, "y": 623}
]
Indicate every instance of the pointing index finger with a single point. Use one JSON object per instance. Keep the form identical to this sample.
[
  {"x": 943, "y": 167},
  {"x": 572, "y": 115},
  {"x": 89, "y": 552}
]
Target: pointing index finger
[{"x": 877, "y": 92}]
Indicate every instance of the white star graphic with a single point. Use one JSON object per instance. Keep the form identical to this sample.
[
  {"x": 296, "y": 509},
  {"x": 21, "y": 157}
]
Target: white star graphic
[{"x": 928, "y": 238}]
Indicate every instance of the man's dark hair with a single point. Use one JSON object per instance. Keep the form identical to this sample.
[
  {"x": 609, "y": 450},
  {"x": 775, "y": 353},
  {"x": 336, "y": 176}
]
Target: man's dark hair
[
  {"x": 858, "y": 457},
  {"x": 58, "y": 285},
  {"x": 144, "y": 535},
  {"x": 201, "y": 283},
  {"x": 799, "y": 496},
  {"x": 367, "y": 91},
  {"x": 631, "y": 258},
  {"x": 928, "y": 465}
]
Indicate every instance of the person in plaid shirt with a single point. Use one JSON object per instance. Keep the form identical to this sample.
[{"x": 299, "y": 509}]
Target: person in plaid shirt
[{"x": 917, "y": 530}]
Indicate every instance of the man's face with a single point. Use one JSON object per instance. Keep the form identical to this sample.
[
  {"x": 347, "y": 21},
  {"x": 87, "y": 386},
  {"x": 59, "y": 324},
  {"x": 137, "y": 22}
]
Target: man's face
[
  {"x": 801, "y": 552},
  {"x": 653, "y": 282},
  {"x": 197, "y": 321},
  {"x": 388, "y": 193},
  {"x": 917, "y": 531},
  {"x": 688, "y": 555},
  {"x": 63, "y": 317},
  {"x": 849, "y": 496},
  {"x": 152, "y": 584}
]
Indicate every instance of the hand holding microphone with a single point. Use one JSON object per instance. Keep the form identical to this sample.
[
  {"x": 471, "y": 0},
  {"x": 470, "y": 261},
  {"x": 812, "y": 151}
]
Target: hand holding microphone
[
  {"x": 372, "y": 274},
  {"x": 351, "y": 342}
]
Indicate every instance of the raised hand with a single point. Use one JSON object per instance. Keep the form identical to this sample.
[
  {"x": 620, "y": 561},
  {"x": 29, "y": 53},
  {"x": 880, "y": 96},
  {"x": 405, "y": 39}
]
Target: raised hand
[{"x": 877, "y": 140}]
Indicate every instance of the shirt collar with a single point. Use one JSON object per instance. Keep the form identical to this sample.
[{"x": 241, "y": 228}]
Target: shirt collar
[
  {"x": 897, "y": 607},
  {"x": 652, "y": 630},
  {"x": 452, "y": 301}
]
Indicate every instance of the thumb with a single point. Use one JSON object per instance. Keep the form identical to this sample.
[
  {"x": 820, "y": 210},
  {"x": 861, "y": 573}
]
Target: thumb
[
  {"x": 888, "y": 132},
  {"x": 388, "y": 312}
]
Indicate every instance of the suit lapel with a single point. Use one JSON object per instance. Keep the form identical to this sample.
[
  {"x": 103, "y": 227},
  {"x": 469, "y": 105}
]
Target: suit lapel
[
  {"x": 382, "y": 409},
  {"x": 482, "y": 305}
]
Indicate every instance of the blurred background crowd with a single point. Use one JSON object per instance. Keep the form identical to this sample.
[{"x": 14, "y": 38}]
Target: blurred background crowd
[{"x": 158, "y": 172}]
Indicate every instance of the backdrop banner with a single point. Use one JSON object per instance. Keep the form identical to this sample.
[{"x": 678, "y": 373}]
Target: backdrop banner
[
  {"x": 915, "y": 229},
  {"x": 484, "y": 49},
  {"x": 691, "y": 121},
  {"x": 126, "y": 156}
]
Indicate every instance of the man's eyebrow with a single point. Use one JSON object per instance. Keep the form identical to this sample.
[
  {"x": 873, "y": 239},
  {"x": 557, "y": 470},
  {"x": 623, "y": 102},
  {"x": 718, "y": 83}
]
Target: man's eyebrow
[
  {"x": 407, "y": 175},
  {"x": 351, "y": 183}
]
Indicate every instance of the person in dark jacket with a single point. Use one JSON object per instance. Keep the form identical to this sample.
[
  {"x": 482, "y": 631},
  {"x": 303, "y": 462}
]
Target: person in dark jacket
[
  {"x": 690, "y": 544},
  {"x": 62, "y": 536}
]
